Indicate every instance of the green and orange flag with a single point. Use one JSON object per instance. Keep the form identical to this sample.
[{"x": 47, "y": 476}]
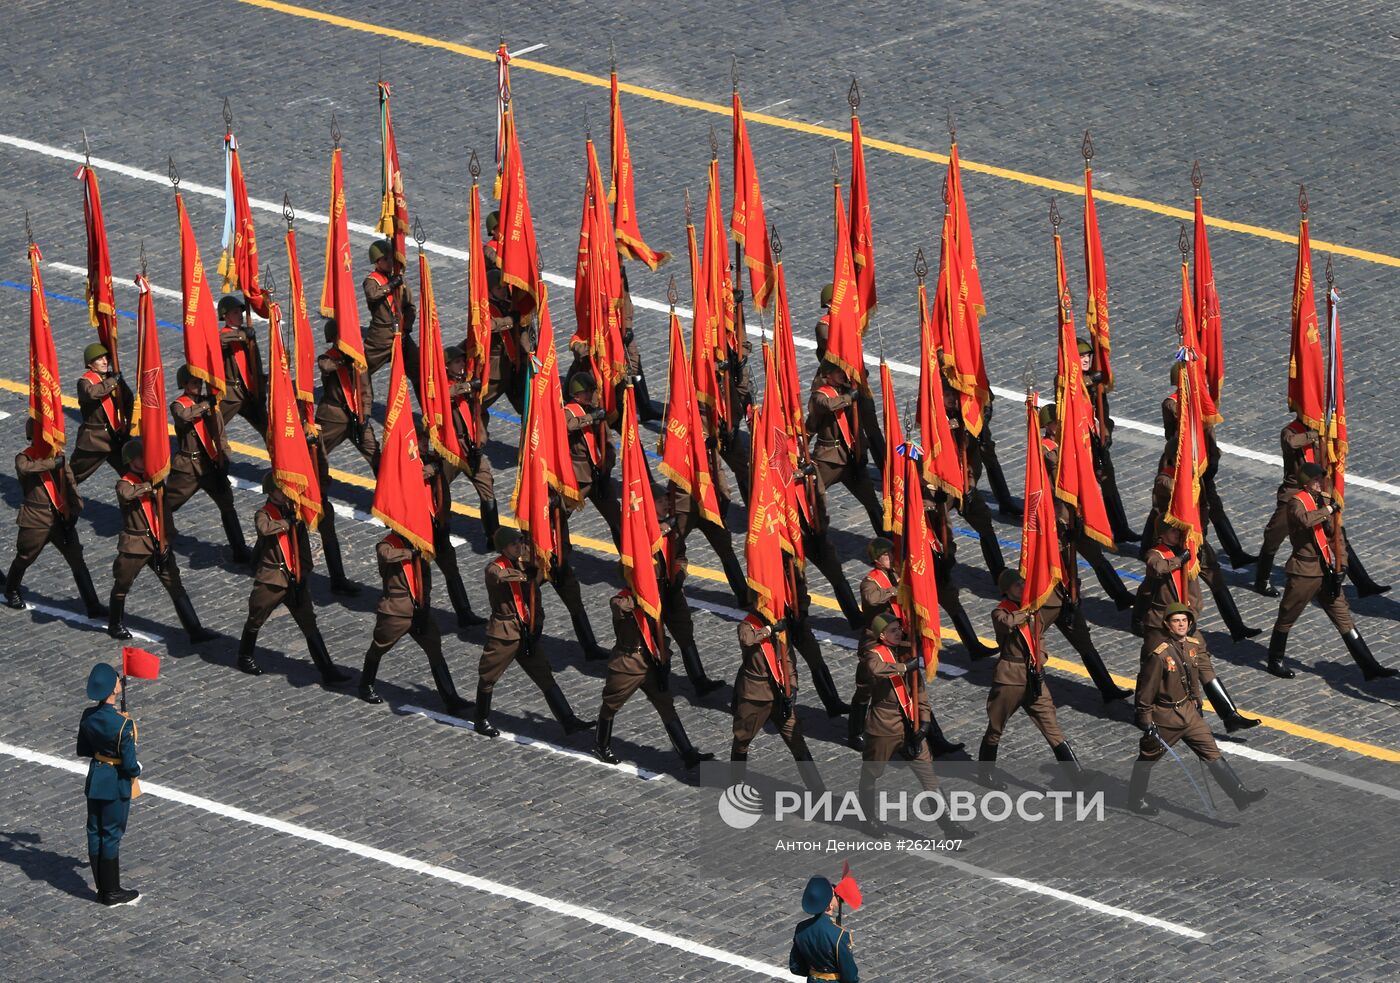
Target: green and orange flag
[
  {"x": 621, "y": 194},
  {"x": 641, "y": 531},
  {"x": 402, "y": 499},
  {"x": 238, "y": 265},
  {"x": 203, "y": 352},
  {"x": 1307, "y": 385},
  {"x": 293, "y": 467},
  {"x": 340, "y": 295},
  {"x": 746, "y": 220},
  {"x": 101, "y": 298},
  {"x": 45, "y": 390}
]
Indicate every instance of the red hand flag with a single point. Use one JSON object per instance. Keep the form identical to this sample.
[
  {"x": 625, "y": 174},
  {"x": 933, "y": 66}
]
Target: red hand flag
[{"x": 140, "y": 664}]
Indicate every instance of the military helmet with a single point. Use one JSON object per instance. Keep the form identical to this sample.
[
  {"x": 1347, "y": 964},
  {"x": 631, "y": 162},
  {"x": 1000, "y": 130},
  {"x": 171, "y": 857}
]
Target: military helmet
[
  {"x": 131, "y": 450},
  {"x": 1047, "y": 415},
  {"x": 1311, "y": 471},
  {"x": 1085, "y": 348},
  {"x": 827, "y": 292},
  {"x": 230, "y": 302},
  {"x": 829, "y": 366},
  {"x": 493, "y": 221},
  {"x": 269, "y": 484},
  {"x": 582, "y": 383},
  {"x": 329, "y": 331},
  {"x": 93, "y": 352},
  {"x": 1008, "y": 579},
  {"x": 817, "y": 895},
  {"x": 881, "y": 622},
  {"x": 506, "y": 536},
  {"x": 453, "y": 353},
  {"x": 1175, "y": 608},
  {"x": 380, "y": 248},
  {"x": 1176, "y": 373},
  {"x": 184, "y": 375},
  {"x": 102, "y": 681},
  {"x": 880, "y": 546}
]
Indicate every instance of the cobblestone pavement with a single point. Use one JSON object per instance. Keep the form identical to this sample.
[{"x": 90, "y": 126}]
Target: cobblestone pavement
[{"x": 1266, "y": 95}]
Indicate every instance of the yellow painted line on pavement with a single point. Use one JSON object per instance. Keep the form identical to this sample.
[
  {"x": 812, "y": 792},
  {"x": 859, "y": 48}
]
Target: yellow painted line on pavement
[
  {"x": 903, "y": 150},
  {"x": 717, "y": 576}
]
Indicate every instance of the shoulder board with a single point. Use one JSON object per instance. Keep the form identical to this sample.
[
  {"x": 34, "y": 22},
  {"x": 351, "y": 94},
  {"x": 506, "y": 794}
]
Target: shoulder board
[
  {"x": 1161, "y": 648},
  {"x": 1195, "y": 639}
]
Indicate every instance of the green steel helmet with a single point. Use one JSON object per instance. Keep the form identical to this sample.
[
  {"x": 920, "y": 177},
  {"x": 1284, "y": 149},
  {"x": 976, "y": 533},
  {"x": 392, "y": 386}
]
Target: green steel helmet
[
  {"x": 93, "y": 352},
  {"x": 184, "y": 375},
  {"x": 582, "y": 383},
  {"x": 1176, "y": 373},
  {"x": 879, "y": 547},
  {"x": 1175, "y": 608},
  {"x": 506, "y": 536},
  {"x": 493, "y": 221},
  {"x": 269, "y": 484},
  {"x": 827, "y": 291},
  {"x": 1047, "y": 414},
  {"x": 453, "y": 353},
  {"x": 881, "y": 622},
  {"x": 230, "y": 302},
  {"x": 131, "y": 450},
  {"x": 101, "y": 682},
  {"x": 1312, "y": 472},
  {"x": 1085, "y": 348},
  {"x": 380, "y": 248},
  {"x": 1007, "y": 580}
]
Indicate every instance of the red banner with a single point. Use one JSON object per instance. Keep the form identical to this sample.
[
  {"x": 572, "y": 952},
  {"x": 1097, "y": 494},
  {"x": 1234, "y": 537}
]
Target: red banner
[
  {"x": 1184, "y": 509},
  {"x": 844, "y": 345},
  {"x": 149, "y": 413},
  {"x": 433, "y": 391},
  {"x": 862, "y": 235},
  {"x": 918, "y": 584},
  {"x": 942, "y": 462},
  {"x": 478, "y": 341},
  {"x": 303, "y": 343},
  {"x": 719, "y": 287},
  {"x": 393, "y": 208},
  {"x": 518, "y": 256},
  {"x": 704, "y": 341},
  {"x": 340, "y": 297},
  {"x": 239, "y": 263},
  {"x": 45, "y": 390},
  {"x": 685, "y": 460},
  {"x": 293, "y": 467},
  {"x": 746, "y": 220},
  {"x": 641, "y": 532},
  {"x": 203, "y": 352},
  {"x": 1096, "y": 290},
  {"x": 598, "y": 288},
  {"x": 622, "y": 196},
  {"x": 769, "y": 535},
  {"x": 962, "y": 233},
  {"x": 101, "y": 298},
  {"x": 1306, "y": 375},
  {"x": 1040, "y": 539},
  {"x": 402, "y": 499},
  {"x": 1208, "y": 310},
  {"x": 955, "y": 325}
]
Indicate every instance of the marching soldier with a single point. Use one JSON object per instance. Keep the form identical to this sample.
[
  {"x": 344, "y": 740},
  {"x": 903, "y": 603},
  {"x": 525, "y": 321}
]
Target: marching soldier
[
  {"x": 839, "y": 449},
  {"x": 243, "y": 368},
  {"x": 1301, "y": 445},
  {"x": 815, "y": 521},
  {"x": 646, "y": 409},
  {"x": 439, "y": 480},
  {"x": 801, "y": 638},
  {"x": 513, "y": 633},
  {"x": 284, "y": 562},
  {"x": 821, "y": 948},
  {"x": 1315, "y": 573},
  {"x": 1167, "y": 583},
  {"x": 108, "y": 737},
  {"x": 512, "y": 341},
  {"x": 469, "y": 416},
  {"x": 137, "y": 549},
  {"x": 390, "y": 301},
  {"x": 48, "y": 513},
  {"x": 869, "y": 418},
  {"x": 201, "y": 460},
  {"x": 337, "y": 422},
  {"x": 766, "y": 689},
  {"x": 1019, "y": 682},
  {"x": 592, "y": 452},
  {"x": 405, "y": 608},
  {"x": 641, "y": 660},
  {"x": 1071, "y": 525},
  {"x": 945, "y": 558},
  {"x": 1101, "y": 439},
  {"x": 105, "y": 404},
  {"x": 680, "y": 507},
  {"x": 675, "y": 611},
  {"x": 1168, "y": 704},
  {"x": 973, "y": 507},
  {"x": 895, "y": 725}
]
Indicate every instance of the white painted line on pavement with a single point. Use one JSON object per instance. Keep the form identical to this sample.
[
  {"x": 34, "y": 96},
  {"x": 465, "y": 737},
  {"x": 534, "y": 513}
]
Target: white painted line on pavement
[
  {"x": 525, "y": 740},
  {"x": 1325, "y": 774},
  {"x": 136, "y": 173},
  {"x": 526, "y": 51},
  {"x": 402, "y": 862},
  {"x": 82, "y": 619}
]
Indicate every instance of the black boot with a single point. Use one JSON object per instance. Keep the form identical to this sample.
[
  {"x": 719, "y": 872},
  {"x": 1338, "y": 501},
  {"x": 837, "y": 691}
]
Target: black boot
[
  {"x": 368, "y": 674},
  {"x": 341, "y": 585},
  {"x": 1365, "y": 586},
  {"x": 442, "y": 679},
  {"x": 1099, "y": 673},
  {"x": 331, "y": 674},
  {"x": 846, "y": 600},
  {"x": 490, "y": 520},
  {"x": 1227, "y": 779},
  {"x": 1225, "y": 708},
  {"x": 855, "y": 726},
  {"x": 112, "y": 892},
  {"x": 1111, "y": 583},
  {"x": 86, "y": 591},
  {"x": 695, "y": 671},
  {"x": 482, "y": 722},
  {"x": 1278, "y": 643},
  {"x": 1137, "y": 789},
  {"x": 461, "y": 605},
  {"x": 939, "y": 745},
  {"x": 1230, "y": 541},
  {"x": 734, "y": 573},
  {"x": 1118, "y": 517},
  {"x": 1066, "y": 756},
  {"x": 184, "y": 610},
  {"x": 1230, "y": 614},
  {"x": 583, "y": 631},
  {"x": 1261, "y": 577},
  {"x": 247, "y": 648},
  {"x": 963, "y": 626},
  {"x": 559, "y": 706},
  {"x": 602, "y": 741},
  {"x": 826, "y": 688},
  {"x": 952, "y": 829},
  {"x": 116, "y": 615},
  {"x": 986, "y": 767},
  {"x": 811, "y": 777},
  {"x": 237, "y": 545},
  {"x": 95, "y": 862},
  {"x": 1361, "y": 652},
  {"x": 12, "y": 582},
  {"x": 675, "y": 730}
]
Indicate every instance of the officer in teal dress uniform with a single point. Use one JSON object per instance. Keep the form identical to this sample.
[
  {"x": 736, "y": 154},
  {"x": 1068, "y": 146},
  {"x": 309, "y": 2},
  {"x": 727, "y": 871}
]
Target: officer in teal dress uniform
[
  {"x": 108, "y": 737},
  {"x": 821, "y": 949}
]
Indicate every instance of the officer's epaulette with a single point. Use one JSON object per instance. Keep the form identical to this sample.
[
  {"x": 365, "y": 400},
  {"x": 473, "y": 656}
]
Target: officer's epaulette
[
  {"x": 1196, "y": 639},
  {"x": 1160, "y": 649}
]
